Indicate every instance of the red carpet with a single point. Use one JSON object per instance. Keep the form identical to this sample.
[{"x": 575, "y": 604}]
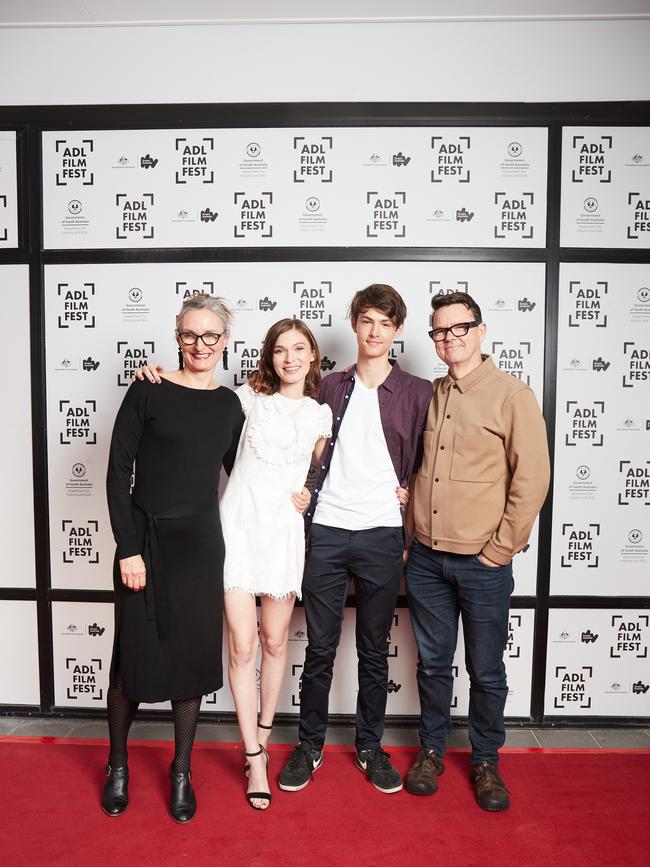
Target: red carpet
[{"x": 570, "y": 808}]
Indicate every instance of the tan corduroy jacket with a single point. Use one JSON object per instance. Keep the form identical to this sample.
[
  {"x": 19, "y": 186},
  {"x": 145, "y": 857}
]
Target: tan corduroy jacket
[{"x": 485, "y": 470}]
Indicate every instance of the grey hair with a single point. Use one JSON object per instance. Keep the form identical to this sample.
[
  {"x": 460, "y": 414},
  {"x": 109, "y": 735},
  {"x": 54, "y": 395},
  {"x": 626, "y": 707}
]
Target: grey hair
[{"x": 203, "y": 301}]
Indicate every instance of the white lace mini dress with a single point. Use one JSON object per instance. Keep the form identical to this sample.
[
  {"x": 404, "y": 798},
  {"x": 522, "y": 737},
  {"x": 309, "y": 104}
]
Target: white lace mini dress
[{"x": 262, "y": 531}]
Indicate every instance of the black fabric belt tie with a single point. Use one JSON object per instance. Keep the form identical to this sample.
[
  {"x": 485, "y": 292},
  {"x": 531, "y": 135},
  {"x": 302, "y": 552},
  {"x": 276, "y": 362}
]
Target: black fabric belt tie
[{"x": 156, "y": 587}]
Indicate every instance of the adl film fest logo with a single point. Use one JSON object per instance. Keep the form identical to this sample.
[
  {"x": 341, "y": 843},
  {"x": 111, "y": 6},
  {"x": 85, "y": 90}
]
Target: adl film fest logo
[
  {"x": 77, "y": 421},
  {"x": 312, "y": 157},
  {"x": 512, "y": 215},
  {"x": 584, "y": 420},
  {"x": 74, "y": 162},
  {"x": 639, "y": 220},
  {"x": 187, "y": 290},
  {"x": 253, "y": 217},
  {"x": 638, "y": 364},
  {"x": 512, "y": 359},
  {"x": 636, "y": 483},
  {"x": 384, "y": 215},
  {"x": 134, "y": 217},
  {"x": 591, "y": 156},
  {"x": 629, "y": 636},
  {"x": 132, "y": 358},
  {"x": 79, "y": 542},
  {"x": 588, "y": 303},
  {"x": 76, "y": 309},
  {"x": 82, "y": 678},
  {"x": 312, "y": 301},
  {"x": 194, "y": 158},
  {"x": 573, "y": 686},
  {"x": 580, "y": 546},
  {"x": 449, "y": 159}
]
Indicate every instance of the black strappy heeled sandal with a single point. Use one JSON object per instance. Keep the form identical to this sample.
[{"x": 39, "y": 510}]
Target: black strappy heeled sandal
[
  {"x": 247, "y": 767},
  {"x": 265, "y": 796}
]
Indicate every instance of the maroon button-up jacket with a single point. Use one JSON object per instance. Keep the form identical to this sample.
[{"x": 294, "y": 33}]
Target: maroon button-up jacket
[{"x": 403, "y": 405}]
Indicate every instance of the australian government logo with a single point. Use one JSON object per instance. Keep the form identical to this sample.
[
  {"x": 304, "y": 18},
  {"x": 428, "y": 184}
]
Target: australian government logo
[
  {"x": 78, "y": 419},
  {"x": 587, "y": 303},
  {"x": 634, "y": 485},
  {"x": 312, "y": 155},
  {"x": 512, "y": 359},
  {"x": 384, "y": 217},
  {"x": 629, "y": 636},
  {"x": 313, "y": 301},
  {"x": 583, "y": 486},
  {"x": 131, "y": 359},
  {"x": 82, "y": 678},
  {"x": 252, "y": 163},
  {"x": 590, "y": 218},
  {"x": 194, "y": 160},
  {"x": 572, "y": 686},
  {"x": 135, "y": 307},
  {"x": 74, "y": 162},
  {"x": 74, "y": 220},
  {"x": 74, "y": 305},
  {"x": 639, "y": 216},
  {"x": 313, "y": 217},
  {"x": 636, "y": 364},
  {"x": 79, "y": 542},
  {"x": 580, "y": 545},
  {"x": 78, "y": 483},
  {"x": 514, "y": 163},
  {"x": 634, "y": 549},
  {"x": 253, "y": 218},
  {"x": 584, "y": 423},
  {"x": 512, "y": 216},
  {"x": 134, "y": 216},
  {"x": 449, "y": 159},
  {"x": 590, "y": 156}
]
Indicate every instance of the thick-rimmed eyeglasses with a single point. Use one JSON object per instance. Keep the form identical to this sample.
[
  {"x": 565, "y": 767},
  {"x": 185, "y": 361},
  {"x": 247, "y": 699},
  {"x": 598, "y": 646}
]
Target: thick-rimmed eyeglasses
[
  {"x": 209, "y": 338},
  {"x": 460, "y": 329}
]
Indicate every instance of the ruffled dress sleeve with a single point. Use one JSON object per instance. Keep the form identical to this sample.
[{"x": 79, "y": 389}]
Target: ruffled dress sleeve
[
  {"x": 246, "y": 397},
  {"x": 324, "y": 419}
]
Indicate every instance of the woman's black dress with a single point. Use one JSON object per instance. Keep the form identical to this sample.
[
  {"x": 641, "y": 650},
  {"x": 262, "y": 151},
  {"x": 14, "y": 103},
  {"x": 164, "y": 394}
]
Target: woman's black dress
[{"x": 168, "y": 636}]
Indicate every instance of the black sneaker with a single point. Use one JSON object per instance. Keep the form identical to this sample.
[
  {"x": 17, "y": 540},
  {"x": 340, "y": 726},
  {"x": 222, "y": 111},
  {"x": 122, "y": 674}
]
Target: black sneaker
[
  {"x": 298, "y": 770},
  {"x": 375, "y": 765}
]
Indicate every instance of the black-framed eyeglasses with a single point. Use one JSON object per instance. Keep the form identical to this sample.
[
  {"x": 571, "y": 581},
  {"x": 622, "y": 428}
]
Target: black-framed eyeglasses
[
  {"x": 209, "y": 338},
  {"x": 460, "y": 329}
]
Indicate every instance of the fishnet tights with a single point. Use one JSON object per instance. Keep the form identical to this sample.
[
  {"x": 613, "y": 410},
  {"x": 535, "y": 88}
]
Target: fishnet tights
[{"x": 122, "y": 710}]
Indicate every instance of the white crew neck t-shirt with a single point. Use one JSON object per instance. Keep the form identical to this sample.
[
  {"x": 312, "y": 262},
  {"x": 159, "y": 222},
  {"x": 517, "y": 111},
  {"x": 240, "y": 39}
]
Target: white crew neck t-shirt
[{"x": 359, "y": 489}]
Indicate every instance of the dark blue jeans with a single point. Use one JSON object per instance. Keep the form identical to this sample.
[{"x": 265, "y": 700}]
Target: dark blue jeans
[
  {"x": 441, "y": 586},
  {"x": 373, "y": 559}
]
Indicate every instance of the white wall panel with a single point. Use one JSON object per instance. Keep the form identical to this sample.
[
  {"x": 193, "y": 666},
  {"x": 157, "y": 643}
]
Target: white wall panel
[
  {"x": 597, "y": 663},
  {"x": 19, "y": 673},
  {"x": 16, "y": 492}
]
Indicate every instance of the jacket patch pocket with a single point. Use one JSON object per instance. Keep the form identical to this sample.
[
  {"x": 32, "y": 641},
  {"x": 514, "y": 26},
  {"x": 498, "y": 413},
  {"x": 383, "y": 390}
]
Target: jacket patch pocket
[{"x": 478, "y": 458}]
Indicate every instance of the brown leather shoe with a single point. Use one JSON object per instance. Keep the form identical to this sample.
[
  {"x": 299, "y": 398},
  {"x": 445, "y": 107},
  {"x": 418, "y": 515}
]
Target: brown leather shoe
[
  {"x": 491, "y": 792},
  {"x": 422, "y": 779}
]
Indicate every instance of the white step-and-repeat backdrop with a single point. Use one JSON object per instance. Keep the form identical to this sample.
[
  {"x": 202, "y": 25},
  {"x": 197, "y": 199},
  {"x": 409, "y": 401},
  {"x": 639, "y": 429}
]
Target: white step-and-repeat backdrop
[{"x": 366, "y": 187}]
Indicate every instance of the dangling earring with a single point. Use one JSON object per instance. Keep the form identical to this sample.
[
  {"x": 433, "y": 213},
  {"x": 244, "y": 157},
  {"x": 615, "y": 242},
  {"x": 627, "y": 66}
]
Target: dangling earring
[
  {"x": 224, "y": 358},
  {"x": 180, "y": 360}
]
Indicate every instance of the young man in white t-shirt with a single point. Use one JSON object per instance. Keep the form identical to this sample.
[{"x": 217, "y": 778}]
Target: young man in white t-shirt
[{"x": 357, "y": 533}]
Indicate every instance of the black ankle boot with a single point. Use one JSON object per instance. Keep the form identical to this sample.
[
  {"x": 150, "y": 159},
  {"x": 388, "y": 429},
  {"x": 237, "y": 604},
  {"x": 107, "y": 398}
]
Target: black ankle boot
[
  {"x": 182, "y": 804},
  {"x": 115, "y": 797}
]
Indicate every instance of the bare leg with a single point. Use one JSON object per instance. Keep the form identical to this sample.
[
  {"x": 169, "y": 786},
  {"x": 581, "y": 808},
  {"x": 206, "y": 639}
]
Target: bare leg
[
  {"x": 241, "y": 618},
  {"x": 274, "y": 634}
]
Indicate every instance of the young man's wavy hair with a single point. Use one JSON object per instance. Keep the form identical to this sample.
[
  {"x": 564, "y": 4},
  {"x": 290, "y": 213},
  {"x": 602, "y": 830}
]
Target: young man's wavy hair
[
  {"x": 381, "y": 296},
  {"x": 265, "y": 380}
]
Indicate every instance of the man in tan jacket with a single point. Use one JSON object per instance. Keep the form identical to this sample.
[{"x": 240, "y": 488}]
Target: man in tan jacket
[{"x": 482, "y": 481}]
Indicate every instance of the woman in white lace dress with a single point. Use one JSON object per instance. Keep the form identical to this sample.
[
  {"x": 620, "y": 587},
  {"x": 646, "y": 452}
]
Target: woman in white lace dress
[{"x": 263, "y": 528}]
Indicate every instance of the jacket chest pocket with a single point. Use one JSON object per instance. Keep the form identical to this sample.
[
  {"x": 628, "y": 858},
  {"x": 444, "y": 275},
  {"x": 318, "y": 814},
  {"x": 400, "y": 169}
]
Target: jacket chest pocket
[{"x": 478, "y": 458}]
